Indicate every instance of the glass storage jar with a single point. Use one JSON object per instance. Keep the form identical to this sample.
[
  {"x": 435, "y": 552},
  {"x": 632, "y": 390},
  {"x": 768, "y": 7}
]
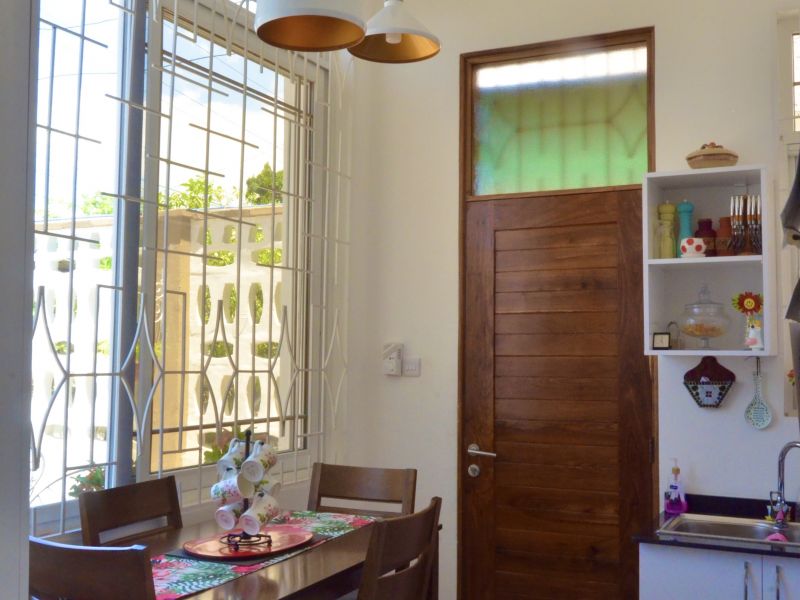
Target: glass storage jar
[{"x": 704, "y": 319}]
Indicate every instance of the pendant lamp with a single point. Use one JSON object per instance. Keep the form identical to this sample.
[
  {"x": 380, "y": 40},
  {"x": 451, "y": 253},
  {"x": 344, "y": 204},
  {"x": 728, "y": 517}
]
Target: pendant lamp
[
  {"x": 309, "y": 25},
  {"x": 394, "y": 36}
]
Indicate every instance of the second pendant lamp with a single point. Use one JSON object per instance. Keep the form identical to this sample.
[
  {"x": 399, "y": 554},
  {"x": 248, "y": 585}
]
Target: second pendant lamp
[{"x": 394, "y": 36}]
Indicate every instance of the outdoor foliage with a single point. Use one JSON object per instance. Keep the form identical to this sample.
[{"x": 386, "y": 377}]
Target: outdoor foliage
[
  {"x": 265, "y": 186},
  {"x": 268, "y": 257},
  {"x": 91, "y": 481}
]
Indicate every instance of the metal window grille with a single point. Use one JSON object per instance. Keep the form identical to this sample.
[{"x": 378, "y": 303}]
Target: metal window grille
[{"x": 177, "y": 307}]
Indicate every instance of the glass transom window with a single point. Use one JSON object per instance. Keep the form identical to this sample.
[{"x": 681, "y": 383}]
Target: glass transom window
[{"x": 561, "y": 122}]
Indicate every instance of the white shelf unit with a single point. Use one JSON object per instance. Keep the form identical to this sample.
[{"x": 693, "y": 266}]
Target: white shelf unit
[{"x": 670, "y": 284}]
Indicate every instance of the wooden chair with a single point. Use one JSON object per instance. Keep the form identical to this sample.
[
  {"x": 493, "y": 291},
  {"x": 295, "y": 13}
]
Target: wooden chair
[
  {"x": 340, "y": 482},
  {"x": 113, "y": 508},
  {"x": 85, "y": 573},
  {"x": 395, "y": 543}
]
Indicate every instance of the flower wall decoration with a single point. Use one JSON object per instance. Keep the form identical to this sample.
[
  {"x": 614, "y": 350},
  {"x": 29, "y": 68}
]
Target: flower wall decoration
[{"x": 748, "y": 303}]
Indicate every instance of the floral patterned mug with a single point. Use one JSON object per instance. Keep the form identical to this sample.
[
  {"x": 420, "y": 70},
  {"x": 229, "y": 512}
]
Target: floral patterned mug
[
  {"x": 264, "y": 508},
  {"x": 232, "y": 490}
]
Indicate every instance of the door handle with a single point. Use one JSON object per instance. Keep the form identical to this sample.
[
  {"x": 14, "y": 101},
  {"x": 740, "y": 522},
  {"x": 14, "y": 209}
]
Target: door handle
[{"x": 475, "y": 450}]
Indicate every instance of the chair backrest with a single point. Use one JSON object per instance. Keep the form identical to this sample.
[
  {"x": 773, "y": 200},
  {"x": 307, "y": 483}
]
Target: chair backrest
[
  {"x": 109, "y": 509},
  {"x": 341, "y": 482},
  {"x": 86, "y": 573},
  {"x": 393, "y": 545}
]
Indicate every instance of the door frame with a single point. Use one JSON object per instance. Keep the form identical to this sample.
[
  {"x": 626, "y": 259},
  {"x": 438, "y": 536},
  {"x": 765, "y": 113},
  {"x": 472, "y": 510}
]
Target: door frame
[{"x": 469, "y": 62}]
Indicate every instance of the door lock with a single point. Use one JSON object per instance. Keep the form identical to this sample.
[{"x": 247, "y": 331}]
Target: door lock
[{"x": 473, "y": 470}]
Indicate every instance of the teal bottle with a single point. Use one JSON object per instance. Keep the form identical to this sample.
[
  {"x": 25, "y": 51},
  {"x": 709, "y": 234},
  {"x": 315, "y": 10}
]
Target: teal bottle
[{"x": 685, "y": 211}]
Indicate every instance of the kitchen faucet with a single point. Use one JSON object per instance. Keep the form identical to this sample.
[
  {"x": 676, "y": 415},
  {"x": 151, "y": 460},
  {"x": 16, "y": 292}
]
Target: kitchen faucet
[{"x": 778, "y": 499}]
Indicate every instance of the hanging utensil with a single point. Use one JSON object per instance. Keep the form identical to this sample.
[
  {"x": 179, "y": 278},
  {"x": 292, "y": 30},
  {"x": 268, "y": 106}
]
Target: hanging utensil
[{"x": 757, "y": 412}]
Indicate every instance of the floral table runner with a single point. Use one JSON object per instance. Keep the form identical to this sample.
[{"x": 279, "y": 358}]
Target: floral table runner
[{"x": 179, "y": 576}]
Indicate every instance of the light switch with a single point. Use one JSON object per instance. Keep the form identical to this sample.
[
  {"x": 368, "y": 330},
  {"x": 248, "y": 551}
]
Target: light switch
[{"x": 412, "y": 366}]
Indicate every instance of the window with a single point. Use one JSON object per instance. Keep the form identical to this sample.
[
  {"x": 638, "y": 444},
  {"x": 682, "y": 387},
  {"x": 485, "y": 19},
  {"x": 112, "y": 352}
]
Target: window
[
  {"x": 563, "y": 115},
  {"x": 185, "y": 261}
]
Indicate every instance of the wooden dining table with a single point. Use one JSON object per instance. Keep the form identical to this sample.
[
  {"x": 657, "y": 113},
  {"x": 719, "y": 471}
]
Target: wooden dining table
[{"x": 325, "y": 571}]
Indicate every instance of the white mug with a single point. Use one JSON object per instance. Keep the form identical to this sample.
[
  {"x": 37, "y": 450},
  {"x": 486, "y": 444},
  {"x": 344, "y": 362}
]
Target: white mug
[
  {"x": 226, "y": 516},
  {"x": 264, "y": 508},
  {"x": 232, "y": 490},
  {"x": 233, "y": 457},
  {"x": 261, "y": 460}
]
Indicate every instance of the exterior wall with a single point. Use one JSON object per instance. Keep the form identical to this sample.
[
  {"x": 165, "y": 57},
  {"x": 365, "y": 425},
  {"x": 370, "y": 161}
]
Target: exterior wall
[{"x": 715, "y": 65}]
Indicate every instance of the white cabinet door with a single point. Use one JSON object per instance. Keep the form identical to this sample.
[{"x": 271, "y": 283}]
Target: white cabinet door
[
  {"x": 781, "y": 578},
  {"x": 674, "y": 573}
]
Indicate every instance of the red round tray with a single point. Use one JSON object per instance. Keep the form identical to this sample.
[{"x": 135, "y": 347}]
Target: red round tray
[{"x": 284, "y": 537}]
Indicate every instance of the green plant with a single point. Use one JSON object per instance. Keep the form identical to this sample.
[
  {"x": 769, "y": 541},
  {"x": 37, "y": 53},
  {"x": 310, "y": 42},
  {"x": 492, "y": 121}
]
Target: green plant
[
  {"x": 98, "y": 205},
  {"x": 268, "y": 257},
  {"x": 196, "y": 194},
  {"x": 103, "y": 347},
  {"x": 267, "y": 349},
  {"x": 219, "y": 349},
  {"x": 233, "y": 301},
  {"x": 257, "y": 234},
  {"x": 105, "y": 263},
  {"x": 230, "y": 235},
  {"x": 61, "y": 347},
  {"x": 88, "y": 481},
  {"x": 265, "y": 186},
  {"x": 220, "y": 258},
  {"x": 256, "y": 302},
  {"x": 204, "y": 303}
]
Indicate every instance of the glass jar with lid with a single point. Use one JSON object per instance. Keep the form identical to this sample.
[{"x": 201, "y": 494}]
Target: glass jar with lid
[{"x": 704, "y": 319}]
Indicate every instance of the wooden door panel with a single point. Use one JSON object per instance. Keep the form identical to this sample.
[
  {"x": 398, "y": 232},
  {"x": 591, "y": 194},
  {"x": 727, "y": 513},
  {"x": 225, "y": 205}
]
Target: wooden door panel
[
  {"x": 555, "y": 237},
  {"x": 557, "y": 477},
  {"x": 560, "y": 566},
  {"x": 565, "y": 210},
  {"x": 581, "y": 257},
  {"x": 556, "y": 366},
  {"x": 557, "y": 432},
  {"x": 561, "y": 544},
  {"x": 557, "y": 281},
  {"x": 545, "y": 586},
  {"x": 556, "y": 388},
  {"x": 575, "y": 322},
  {"x": 562, "y": 393},
  {"x": 592, "y": 344},
  {"x": 523, "y": 409},
  {"x": 577, "y": 503},
  {"x": 572, "y": 301},
  {"x": 536, "y": 519},
  {"x": 557, "y": 454}
]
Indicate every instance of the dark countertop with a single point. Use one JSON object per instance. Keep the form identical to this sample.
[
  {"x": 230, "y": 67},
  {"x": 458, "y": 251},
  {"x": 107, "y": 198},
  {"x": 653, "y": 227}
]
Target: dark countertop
[{"x": 726, "y": 507}]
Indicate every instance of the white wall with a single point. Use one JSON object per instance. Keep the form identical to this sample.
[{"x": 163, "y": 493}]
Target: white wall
[
  {"x": 714, "y": 81},
  {"x": 15, "y": 239}
]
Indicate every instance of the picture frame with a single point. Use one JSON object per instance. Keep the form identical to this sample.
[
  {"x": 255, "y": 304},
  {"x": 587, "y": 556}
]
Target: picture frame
[{"x": 662, "y": 340}]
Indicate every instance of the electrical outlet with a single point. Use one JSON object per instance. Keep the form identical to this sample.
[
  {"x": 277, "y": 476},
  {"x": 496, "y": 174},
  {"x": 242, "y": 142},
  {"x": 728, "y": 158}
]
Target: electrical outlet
[{"x": 412, "y": 367}]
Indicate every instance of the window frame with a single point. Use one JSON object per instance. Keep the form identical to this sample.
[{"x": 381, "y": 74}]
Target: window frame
[
  {"x": 293, "y": 466},
  {"x": 197, "y": 15},
  {"x": 471, "y": 62}
]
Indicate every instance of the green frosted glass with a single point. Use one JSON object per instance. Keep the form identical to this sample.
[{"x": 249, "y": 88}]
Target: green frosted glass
[{"x": 575, "y": 134}]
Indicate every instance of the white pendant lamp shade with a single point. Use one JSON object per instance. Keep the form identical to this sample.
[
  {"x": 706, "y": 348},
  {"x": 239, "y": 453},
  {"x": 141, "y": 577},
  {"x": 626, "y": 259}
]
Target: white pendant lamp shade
[
  {"x": 394, "y": 36},
  {"x": 309, "y": 25}
]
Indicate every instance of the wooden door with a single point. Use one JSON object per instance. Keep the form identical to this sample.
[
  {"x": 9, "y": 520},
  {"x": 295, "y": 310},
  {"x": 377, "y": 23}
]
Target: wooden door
[{"x": 553, "y": 379}]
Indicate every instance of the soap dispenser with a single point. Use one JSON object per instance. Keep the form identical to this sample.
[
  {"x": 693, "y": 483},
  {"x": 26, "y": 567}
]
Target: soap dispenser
[{"x": 674, "y": 498}]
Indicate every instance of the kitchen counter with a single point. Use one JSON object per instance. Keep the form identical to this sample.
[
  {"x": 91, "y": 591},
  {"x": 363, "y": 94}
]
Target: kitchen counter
[{"x": 722, "y": 506}]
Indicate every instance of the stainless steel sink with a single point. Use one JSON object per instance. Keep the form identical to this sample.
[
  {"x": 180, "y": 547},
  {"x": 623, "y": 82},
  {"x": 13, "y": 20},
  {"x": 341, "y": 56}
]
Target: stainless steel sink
[{"x": 727, "y": 530}]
